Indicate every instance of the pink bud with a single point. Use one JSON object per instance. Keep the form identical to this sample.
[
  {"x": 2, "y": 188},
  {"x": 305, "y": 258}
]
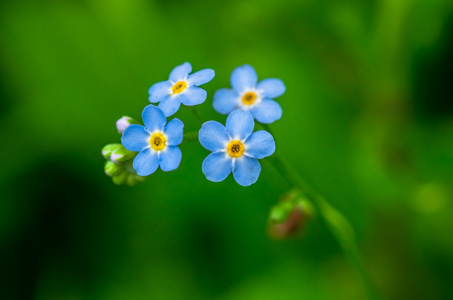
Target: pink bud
[{"x": 123, "y": 123}]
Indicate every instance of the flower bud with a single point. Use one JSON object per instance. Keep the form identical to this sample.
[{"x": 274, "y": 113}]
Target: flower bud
[
  {"x": 121, "y": 178},
  {"x": 108, "y": 149},
  {"x": 290, "y": 215},
  {"x": 123, "y": 123},
  {"x": 112, "y": 169},
  {"x": 119, "y": 165},
  {"x": 121, "y": 154},
  {"x": 133, "y": 179}
]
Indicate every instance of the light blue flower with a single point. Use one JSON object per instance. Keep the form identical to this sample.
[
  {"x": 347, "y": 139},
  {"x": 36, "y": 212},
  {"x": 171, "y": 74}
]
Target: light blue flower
[
  {"x": 156, "y": 142},
  {"x": 250, "y": 95},
  {"x": 235, "y": 147},
  {"x": 180, "y": 88}
]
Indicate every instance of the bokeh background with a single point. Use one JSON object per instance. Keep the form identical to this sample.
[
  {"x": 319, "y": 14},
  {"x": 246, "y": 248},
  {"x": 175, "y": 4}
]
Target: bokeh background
[{"x": 368, "y": 121}]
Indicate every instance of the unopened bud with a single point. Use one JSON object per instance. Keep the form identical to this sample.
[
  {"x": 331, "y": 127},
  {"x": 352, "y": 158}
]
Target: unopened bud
[
  {"x": 108, "y": 149},
  {"x": 112, "y": 169},
  {"x": 123, "y": 123},
  {"x": 119, "y": 165},
  {"x": 121, "y": 178},
  {"x": 133, "y": 179},
  {"x": 290, "y": 215},
  {"x": 121, "y": 154}
]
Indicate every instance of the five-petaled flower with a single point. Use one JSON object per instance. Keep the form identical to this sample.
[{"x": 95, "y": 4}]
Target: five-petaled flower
[
  {"x": 180, "y": 88},
  {"x": 248, "y": 95},
  {"x": 235, "y": 147},
  {"x": 156, "y": 142}
]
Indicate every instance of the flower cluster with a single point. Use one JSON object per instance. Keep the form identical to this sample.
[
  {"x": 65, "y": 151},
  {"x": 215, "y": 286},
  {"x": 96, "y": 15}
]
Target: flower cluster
[{"x": 235, "y": 147}]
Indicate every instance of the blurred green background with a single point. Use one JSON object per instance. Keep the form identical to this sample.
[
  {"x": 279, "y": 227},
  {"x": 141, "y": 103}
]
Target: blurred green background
[{"x": 367, "y": 120}]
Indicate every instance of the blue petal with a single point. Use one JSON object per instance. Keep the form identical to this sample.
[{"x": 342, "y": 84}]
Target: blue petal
[
  {"x": 243, "y": 78},
  {"x": 180, "y": 72},
  {"x": 170, "y": 158},
  {"x": 246, "y": 170},
  {"x": 174, "y": 132},
  {"x": 213, "y": 136},
  {"x": 194, "y": 95},
  {"x": 260, "y": 144},
  {"x": 159, "y": 91},
  {"x": 135, "y": 138},
  {"x": 201, "y": 77},
  {"x": 225, "y": 101},
  {"x": 239, "y": 124},
  {"x": 153, "y": 118},
  {"x": 272, "y": 87},
  {"x": 267, "y": 111},
  {"x": 217, "y": 166},
  {"x": 170, "y": 105},
  {"x": 146, "y": 162}
]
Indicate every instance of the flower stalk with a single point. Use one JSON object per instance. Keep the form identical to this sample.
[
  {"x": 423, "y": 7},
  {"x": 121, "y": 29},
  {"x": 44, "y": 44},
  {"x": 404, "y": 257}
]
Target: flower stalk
[
  {"x": 248, "y": 100},
  {"x": 190, "y": 136},
  {"x": 195, "y": 112},
  {"x": 337, "y": 223}
]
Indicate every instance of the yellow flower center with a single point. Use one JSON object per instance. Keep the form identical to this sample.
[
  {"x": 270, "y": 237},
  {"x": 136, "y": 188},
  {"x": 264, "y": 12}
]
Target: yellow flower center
[
  {"x": 158, "y": 141},
  {"x": 249, "y": 98},
  {"x": 235, "y": 148},
  {"x": 179, "y": 87}
]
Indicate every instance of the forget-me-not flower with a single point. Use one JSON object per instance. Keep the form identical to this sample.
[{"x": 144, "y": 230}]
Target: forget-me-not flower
[
  {"x": 251, "y": 95},
  {"x": 180, "y": 88},
  {"x": 235, "y": 147},
  {"x": 156, "y": 142}
]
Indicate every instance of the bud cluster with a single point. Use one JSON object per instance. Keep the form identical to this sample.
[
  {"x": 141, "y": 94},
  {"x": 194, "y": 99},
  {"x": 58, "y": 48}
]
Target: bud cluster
[
  {"x": 119, "y": 159},
  {"x": 290, "y": 215}
]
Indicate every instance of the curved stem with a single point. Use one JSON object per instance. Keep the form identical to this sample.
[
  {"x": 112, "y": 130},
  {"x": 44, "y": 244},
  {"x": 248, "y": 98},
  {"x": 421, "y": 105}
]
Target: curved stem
[{"x": 334, "y": 220}]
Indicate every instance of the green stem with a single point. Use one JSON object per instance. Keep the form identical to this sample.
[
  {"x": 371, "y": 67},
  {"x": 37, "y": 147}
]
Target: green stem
[
  {"x": 335, "y": 221},
  {"x": 194, "y": 110},
  {"x": 190, "y": 136}
]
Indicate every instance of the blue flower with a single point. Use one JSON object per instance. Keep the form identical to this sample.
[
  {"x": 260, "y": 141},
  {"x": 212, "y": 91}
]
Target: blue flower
[
  {"x": 180, "y": 88},
  {"x": 248, "y": 95},
  {"x": 235, "y": 147},
  {"x": 156, "y": 142}
]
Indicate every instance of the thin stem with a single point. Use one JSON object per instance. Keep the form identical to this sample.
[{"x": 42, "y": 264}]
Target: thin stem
[
  {"x": 190, "y": 136},
  {"x": 335, "y": 221},
  {"x": 194, "y": 110}
]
